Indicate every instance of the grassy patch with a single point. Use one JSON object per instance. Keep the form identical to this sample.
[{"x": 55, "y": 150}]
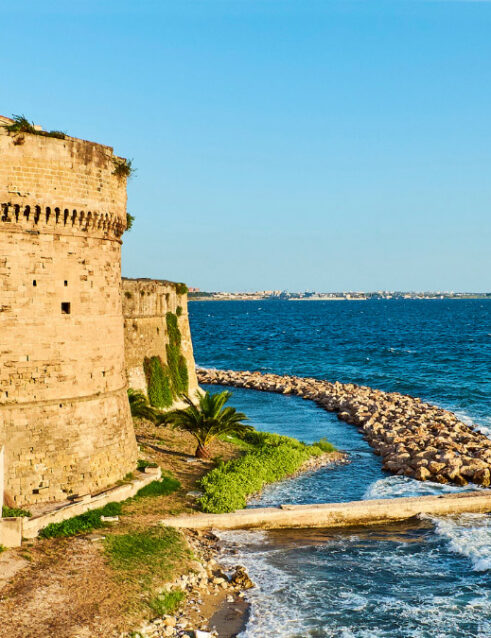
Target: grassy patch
[
  {"x": 270, "y": 458},
  {"x": 165, "y": 486},
  {"x": 2, "y": 548},
  {"x": 147, "y": 556},
  {"x": 167, "y": 603},
  {"x": 14, "y": 511},
  {"x": 82, "y": 524}
]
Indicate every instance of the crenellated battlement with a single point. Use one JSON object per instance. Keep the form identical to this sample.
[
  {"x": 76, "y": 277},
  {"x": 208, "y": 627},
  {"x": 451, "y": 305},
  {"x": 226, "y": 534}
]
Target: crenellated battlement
[{"x": 60, "y": 220}]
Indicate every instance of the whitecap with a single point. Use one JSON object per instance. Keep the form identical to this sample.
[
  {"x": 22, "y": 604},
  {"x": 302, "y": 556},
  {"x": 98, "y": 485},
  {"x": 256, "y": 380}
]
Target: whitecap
[{"x": 468, "y": 535}]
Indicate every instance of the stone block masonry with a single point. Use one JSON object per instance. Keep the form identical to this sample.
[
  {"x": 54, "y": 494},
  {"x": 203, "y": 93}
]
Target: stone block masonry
[
  {"x": 146, "y": 303},
  {"x": 64, "y": 415}
]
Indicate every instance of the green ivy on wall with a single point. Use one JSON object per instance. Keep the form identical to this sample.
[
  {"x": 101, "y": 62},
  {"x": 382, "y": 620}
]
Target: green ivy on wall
[
  {"x": 157, "y": 374},
  {"x": 167, "y": 382},
  {"x": 175, "y": 359}
]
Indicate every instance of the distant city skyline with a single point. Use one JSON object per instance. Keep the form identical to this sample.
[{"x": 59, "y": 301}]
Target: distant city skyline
[{"x": 329, "y": 144}]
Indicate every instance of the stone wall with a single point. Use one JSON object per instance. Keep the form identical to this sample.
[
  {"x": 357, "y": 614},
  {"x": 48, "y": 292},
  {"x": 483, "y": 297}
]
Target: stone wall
[
  {"x": 64, "y": 414},
  {"x": 146, "y": 303}
]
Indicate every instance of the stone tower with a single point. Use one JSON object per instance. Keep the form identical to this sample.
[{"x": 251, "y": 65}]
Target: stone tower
[{"x": 64, "y": 415}]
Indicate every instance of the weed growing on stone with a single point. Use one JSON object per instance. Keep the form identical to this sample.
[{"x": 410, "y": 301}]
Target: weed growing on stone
[
  {"x": 123, "y": 168},
  {"x": 167, "y": 603},
  {"x": 22, "y": 125}
]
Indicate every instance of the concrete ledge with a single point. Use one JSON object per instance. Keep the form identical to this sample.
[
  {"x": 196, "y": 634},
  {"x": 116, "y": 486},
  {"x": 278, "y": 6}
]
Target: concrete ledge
[
  {"x": 338, "y": 514},
  {"x": 11, "y": 532},
  {"x": 30, "y": 526}
]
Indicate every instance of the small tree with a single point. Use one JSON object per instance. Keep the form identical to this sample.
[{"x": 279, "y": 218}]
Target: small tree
[{"x": 207, "y": 420}]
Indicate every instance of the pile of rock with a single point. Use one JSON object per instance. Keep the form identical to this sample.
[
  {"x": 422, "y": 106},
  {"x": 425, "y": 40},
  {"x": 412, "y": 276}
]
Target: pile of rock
[
  {"x": 414, "y": 438},
  {"x": 205, "y": 580}
]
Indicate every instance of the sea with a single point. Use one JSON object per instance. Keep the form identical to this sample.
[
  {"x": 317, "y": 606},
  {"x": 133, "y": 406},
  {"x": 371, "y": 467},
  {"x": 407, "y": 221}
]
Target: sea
[{"x": 430, "y": 578}]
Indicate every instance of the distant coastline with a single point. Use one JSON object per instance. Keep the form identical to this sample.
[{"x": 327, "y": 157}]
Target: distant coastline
[{"x": 238, "y": 296}]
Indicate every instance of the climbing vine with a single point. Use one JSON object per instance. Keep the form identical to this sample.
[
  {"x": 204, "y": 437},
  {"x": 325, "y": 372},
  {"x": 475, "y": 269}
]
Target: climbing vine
[
  {"x": 175, "y": 359},
  {"x": 158, "y": 382}
]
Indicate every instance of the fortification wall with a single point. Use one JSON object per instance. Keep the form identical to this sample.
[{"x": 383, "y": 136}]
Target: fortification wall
[
  {"x": 64, "y": 414},
  {"x": 146, "y": 304}
]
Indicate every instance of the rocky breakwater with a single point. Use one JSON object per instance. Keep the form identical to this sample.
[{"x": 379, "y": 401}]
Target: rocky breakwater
[{"x": 414, "y": 438}]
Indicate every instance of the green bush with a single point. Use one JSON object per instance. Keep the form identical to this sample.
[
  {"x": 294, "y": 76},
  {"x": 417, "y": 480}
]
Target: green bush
[
  {"x": 272, "y": 458},
  {"x": 158, "y": 382},
  {"x": 81, "y": 524},
  {"x": 181, "y": 289},
  {"x": 325, "y": 446},
  {"x": 14, "y": 512},
  {"x": 166, "y": 485},
  {"x": 143, "y": 463},
  {"x": 179, "y": 311}
]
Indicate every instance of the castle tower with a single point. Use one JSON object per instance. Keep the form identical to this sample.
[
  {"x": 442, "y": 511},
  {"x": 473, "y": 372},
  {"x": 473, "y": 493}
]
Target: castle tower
[{"x": 64, "y": 415}]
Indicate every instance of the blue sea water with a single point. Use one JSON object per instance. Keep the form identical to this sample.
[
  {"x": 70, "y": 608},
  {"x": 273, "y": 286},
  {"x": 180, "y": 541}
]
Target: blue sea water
[{"x": 431, "y": 579}]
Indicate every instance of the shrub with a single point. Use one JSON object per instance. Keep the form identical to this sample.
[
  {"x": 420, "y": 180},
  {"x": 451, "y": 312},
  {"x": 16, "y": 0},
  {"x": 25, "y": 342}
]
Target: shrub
[
  {"x": 123, "y": 168},
  {"x": 14, "y": 512},
  {"x": 82, "y": 524},
  {"x": 143, "y": 463},
  {"x": 167, "y": 603},
  {"x": 129, "y": 221},
  {"x": 166, "y": 485},
  {"x": 273, "y": 458},
  {"x": 325, "y": 446},
  {"x": 181, "y": 289},
  {"x": 179, "y": 311},
  {"x": 158, "y": 381}
]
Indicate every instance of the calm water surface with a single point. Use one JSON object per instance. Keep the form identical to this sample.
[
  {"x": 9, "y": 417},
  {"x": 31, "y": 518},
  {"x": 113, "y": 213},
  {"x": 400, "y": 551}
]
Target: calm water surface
[{"x": 432, "y": 579}]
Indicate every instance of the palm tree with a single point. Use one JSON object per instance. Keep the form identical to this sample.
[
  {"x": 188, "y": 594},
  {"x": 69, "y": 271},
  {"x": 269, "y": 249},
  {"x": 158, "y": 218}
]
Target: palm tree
[
  {"x": 208, "y": 419},
  {"x": 140, "y": 407}
]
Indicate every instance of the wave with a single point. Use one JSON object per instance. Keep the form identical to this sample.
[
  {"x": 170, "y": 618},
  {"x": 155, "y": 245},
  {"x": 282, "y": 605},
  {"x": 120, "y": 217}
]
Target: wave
[
  {"x": 468, "y": 535},
  {"x": 400, "y": 486}
]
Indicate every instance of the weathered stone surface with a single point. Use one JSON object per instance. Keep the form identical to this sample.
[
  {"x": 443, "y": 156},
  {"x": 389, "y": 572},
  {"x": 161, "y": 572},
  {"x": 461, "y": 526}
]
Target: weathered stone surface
[
  {"x": 64, "y": 414},
  {"x": 145, "y": 305}
]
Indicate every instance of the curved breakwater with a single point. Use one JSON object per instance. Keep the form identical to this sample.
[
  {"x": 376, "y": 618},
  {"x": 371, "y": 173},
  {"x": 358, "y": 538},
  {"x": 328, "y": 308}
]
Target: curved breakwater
[{"x": 414, "y": 438}]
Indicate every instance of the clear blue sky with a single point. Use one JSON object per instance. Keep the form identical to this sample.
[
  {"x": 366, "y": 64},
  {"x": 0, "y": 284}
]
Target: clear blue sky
[{"x": 285, "y": 144}]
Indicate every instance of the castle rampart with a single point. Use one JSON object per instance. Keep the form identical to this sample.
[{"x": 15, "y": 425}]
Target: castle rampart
[
  {"x": 146, "y": 307},
  {"x": 64, "y": 414}
]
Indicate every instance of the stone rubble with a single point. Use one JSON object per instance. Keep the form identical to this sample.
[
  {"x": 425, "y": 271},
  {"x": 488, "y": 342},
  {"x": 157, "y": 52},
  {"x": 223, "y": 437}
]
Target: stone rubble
[
  {"x": 413, "y": 438},
  {"x": 205, "y": 578}
]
